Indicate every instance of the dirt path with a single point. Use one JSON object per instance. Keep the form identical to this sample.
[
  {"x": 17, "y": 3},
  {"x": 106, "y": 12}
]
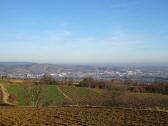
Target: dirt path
[
  {"x": 5, "y": 95},
  {"x": 66, "y": 96}
]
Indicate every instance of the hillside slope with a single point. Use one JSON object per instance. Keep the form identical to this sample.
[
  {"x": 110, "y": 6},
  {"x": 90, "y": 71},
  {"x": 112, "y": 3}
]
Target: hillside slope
[
  {"x": 50, "y": 96},
  {"x": 83, "y": 96}
]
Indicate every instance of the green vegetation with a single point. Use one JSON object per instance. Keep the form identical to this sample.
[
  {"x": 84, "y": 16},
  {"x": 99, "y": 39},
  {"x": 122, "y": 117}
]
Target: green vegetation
[
  {"x": 18, "y": 90},
  {"x": 81, "y": 91},
  {"x": 82, "y": 95},
  {"x": 148, "y": 94},
  {"x": 51, "y": 95},
  {"x": 116, "y": 96}
]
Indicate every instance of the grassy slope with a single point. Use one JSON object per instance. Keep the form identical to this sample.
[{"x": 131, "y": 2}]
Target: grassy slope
[
  {"x": 147, "y": 94},
  {"x": 18, "y": 90},
  {"x": 51, "y": 94},
  {"x": 81, "y": 95},
  {"x": 150, "y": 95}
]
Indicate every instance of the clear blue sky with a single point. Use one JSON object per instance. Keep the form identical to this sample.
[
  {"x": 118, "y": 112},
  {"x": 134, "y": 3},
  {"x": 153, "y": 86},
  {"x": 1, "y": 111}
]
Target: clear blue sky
[{"x": 84, "y": 31}]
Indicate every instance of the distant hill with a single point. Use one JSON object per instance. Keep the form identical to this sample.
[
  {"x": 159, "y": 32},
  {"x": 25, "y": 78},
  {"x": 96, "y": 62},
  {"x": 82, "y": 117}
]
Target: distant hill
[{"x": 28, "y": 67}]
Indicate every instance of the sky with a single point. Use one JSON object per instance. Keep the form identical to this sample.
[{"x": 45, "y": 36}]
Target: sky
[{"x": 84, "y": 31}]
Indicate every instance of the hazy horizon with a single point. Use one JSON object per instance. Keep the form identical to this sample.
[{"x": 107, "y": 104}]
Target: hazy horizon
[
  {"x": 89, "y": 64},
  {"x": 84, "y": 31}
]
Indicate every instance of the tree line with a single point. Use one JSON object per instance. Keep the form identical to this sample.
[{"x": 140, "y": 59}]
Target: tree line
[{"x": 132, "y": 86}]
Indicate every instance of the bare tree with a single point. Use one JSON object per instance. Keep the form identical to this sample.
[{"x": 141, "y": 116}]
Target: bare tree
[
  {"x": 87, "y": 82},
  {"x": 34, "y": 93},
  {"x": 48, "y": 80}
]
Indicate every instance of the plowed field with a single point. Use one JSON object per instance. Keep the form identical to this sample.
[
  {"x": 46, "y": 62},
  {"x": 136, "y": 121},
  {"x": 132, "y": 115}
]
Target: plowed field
[{"x": 78, "y": 116}]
